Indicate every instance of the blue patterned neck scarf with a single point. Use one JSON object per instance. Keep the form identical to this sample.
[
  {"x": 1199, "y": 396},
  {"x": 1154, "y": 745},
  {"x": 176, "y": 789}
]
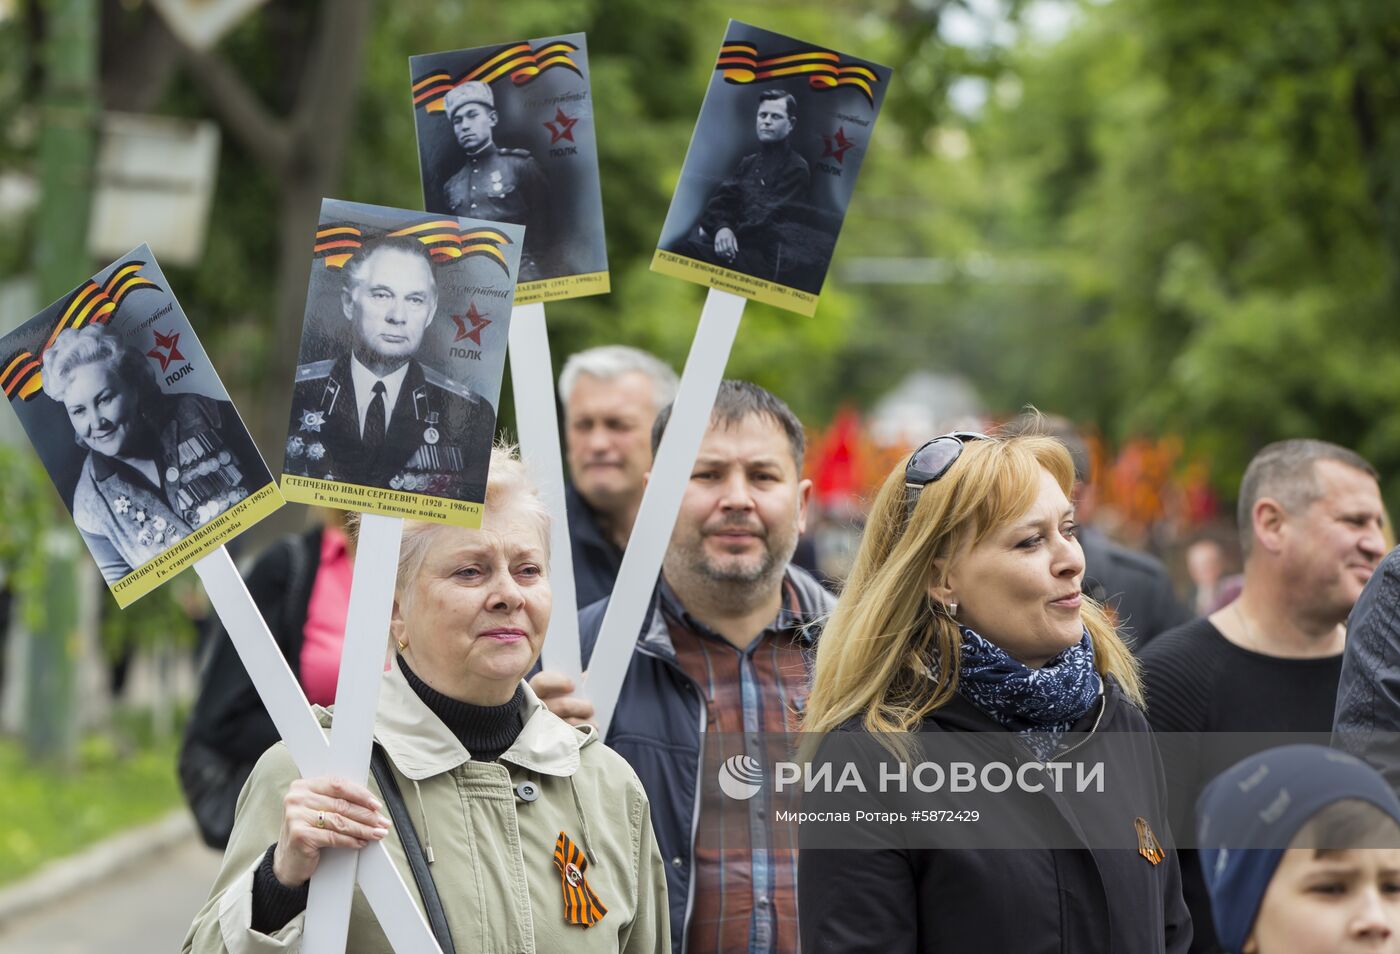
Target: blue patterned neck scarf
[{"x": 1045, "y": 701}]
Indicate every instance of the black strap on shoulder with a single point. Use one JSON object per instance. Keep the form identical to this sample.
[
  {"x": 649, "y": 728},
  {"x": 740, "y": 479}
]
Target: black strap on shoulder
[{"x": 412, "y": 847}]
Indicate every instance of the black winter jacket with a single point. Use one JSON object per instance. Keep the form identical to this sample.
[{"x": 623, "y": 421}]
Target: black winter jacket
[
  {"x": 596, "y": 558},
  {"x": 1367, "y": 722},
  {"x": 893, "y": 899}
]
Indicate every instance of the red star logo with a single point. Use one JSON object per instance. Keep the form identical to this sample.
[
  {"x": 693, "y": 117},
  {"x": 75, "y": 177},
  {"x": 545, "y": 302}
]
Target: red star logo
[
  {"x": 561, "y": 126},
  {"x": 478, "y": 325},
  {"x": 837, "y": 145},
  {"x": 169, "y": 342}
]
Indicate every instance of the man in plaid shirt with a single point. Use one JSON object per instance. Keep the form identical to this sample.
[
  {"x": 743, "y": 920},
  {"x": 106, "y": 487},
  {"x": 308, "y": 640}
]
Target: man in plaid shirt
[{"x": 724, "y": 654}]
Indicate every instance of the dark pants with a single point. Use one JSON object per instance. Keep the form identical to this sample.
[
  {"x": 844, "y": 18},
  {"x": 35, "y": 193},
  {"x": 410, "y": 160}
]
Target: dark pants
[{"x": 754, "y": 259}]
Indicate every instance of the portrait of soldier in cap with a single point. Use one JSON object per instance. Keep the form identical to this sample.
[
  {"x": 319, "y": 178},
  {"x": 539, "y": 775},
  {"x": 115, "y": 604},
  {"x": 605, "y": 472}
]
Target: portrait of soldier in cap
[
  {"x": 375, "y": 416},
  {"x": 495, "y": 183}
]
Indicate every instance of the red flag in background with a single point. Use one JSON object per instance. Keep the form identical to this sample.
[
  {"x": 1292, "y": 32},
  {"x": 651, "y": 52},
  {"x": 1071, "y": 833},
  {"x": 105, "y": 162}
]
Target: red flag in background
[{"x": 835, "y": 462}]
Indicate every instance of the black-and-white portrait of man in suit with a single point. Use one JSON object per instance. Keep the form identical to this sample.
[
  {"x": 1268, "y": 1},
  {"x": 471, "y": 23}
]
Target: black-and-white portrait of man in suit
[{"x": 375, "y": 416}]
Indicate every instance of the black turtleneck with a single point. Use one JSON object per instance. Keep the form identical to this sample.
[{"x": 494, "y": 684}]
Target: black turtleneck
[{"x": 485, "y": 731}]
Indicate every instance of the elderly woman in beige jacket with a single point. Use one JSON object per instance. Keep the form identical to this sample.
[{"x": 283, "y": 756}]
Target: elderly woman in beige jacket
[{"x": 493, "y": 782}]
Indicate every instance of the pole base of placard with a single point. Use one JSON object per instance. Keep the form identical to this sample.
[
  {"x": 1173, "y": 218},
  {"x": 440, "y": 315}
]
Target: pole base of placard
[
  {"x": 736, "y": 283},
  {"x": 199, "y": 544},
  {"x": 384, "y": 888},
  {"x": 391, "y": 503},
  {"x": 565, "y": 287}
]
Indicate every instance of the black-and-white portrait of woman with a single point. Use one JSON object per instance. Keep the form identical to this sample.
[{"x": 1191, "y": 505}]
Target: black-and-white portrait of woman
[{"x": 158, "y": 466}]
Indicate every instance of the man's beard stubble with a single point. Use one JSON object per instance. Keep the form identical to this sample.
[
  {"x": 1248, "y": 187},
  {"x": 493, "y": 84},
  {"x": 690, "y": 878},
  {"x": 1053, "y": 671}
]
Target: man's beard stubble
[{"x": 694, "y": 562}]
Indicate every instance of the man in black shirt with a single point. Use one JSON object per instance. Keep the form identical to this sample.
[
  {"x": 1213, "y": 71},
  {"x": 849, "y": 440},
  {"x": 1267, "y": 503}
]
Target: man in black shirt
[
  {"x": 1311, "y": 520},
  {"x": 611, "y": 396}
]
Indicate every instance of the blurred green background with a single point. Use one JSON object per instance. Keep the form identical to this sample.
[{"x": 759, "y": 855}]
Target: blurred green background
[
  {"x": 1176, "y": 222},
  {"x": 1155, "y": 216}
]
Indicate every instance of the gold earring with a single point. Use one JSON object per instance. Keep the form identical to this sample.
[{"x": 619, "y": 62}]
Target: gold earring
[{"x": 402, "y": 645}]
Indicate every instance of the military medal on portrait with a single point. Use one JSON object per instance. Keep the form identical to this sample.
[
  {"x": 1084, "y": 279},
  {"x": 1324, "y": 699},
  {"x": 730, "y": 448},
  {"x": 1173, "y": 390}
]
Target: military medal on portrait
[
  {"x": 403, "y": 347},
  {"x": 130, "y": 419}
]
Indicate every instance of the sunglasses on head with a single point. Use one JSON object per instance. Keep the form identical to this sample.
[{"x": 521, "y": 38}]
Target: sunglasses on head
[{"x": 931, "y": 461}]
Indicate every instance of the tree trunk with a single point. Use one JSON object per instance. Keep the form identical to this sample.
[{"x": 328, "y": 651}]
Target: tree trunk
[
  {"x": 67, "y": 149},
  {"x": 301, "y": 203},
  {"x": 302, "y": 153}
]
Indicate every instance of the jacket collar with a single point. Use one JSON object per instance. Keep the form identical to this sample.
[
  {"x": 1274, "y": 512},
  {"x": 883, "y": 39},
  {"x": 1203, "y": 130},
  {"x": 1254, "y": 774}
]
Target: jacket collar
[
  {"x": 806, "y": 603},
  {"x": 420, "y": 746},
  {"x": 584, "y": 527},
  {"x": 485, "y": 152},
  {"x": 103, "y": 467}
]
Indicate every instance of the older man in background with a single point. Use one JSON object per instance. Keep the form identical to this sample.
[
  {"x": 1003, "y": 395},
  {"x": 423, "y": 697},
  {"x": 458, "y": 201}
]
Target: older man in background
[
  {"x": 611, "y": 396},
  {"x": 1311, "y": 527}
]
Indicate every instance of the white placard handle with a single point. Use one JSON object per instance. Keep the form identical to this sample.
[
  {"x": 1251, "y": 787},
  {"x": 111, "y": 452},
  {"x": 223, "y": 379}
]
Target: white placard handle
[
  {"x": 393, "y": 904},
  {"x": 356, "y": 700},
  {"x": 661, "y": 502},
  {"x": 532, "y": 379}
]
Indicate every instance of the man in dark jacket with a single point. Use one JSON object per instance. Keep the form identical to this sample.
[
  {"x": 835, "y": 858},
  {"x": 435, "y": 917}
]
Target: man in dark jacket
[
  {"x": 495, "y": 183},
  {"x": 1367, "y": 721},
  {"x": 610, "y": 397},
  {"x": 744, "y": 223},
  {"x": 724, "y": 655}
]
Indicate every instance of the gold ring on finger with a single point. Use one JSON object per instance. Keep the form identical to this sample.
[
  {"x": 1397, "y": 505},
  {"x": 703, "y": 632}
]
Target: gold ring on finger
[{"x": 320, "y": 819}]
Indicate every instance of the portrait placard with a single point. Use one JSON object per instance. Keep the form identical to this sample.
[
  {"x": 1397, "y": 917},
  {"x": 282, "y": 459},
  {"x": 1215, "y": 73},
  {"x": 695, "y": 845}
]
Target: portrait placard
[
  {"x": 129, "y": 417},
  {"x": 402, "y": 351},
  {"x": 506, "y": 133},
  {"x": 771, "y": 168}
]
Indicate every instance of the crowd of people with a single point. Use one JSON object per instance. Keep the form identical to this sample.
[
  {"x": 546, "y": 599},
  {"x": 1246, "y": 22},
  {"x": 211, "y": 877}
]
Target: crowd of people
[{"x": 978, "y": 607}]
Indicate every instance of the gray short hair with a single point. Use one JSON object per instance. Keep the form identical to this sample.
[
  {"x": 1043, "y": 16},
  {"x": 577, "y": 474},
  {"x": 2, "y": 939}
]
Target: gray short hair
[
  {"x": 508, "y": 485},
  {"x": 738, "y": 400},
  {"x": 609, "y": 362},
  {"x": 404, "y": 244},
  {"x": 1286, "y": 471}
]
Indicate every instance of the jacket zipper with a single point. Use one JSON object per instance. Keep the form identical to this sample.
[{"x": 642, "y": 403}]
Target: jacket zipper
[
  {"x": 1103, "y": 705},
  {"x": 695, "y": 798}
]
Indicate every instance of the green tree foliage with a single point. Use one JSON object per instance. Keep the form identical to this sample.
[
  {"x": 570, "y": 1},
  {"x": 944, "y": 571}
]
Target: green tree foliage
[
  {"x": 1190, "y": 210},
  {"x": 1174, "y": 218}
]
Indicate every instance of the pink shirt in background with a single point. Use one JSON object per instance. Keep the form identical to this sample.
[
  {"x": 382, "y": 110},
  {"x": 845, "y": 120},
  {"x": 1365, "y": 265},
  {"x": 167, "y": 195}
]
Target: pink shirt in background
[{"x": 325, "y": 619}]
